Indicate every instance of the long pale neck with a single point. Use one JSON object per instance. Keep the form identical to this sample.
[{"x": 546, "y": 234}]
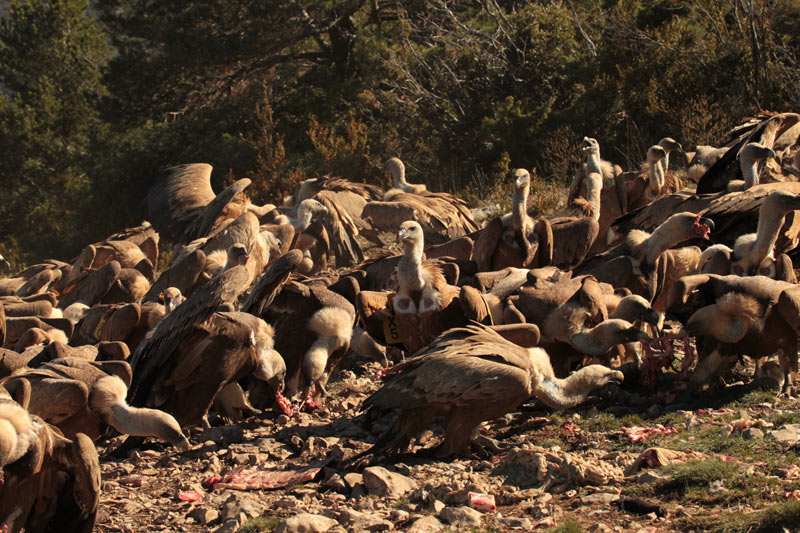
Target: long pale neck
[
  {"x": 565, "y": 393},
  {"x": 663, "y": 238},
  {"x": 656, "y": 175},
  {"x": 749, "y": 171},
  {"x": 410, "y": 268},
  {"x": 303, "y": 219},
  {"x": 770, "y": 220},
  {"x": 594, "y": 191},
  {"x": 586, "y": 343},
  {"x": 666, "y": 160},
  {"x": 144, "y": 422},
  {"x": 593, "y": 163},
  {"x": 519, "y": 207},
  {"x": 399, "y": 177}
]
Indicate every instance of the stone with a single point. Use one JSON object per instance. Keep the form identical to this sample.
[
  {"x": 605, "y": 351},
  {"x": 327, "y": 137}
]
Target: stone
[
  {"x": 435, "y": 506},
  {"x": 383, "y": 483},
  {"x": 599, "y": 498},
  {"x": 752, "y": 434},
  {"x": 599, "y": 528},
  {"x": 461, "y": 516},
  {"x": 306, "y": 523},
  {"x": 351, "y": 479},
  {"x": 223, "y": 435},
  {"x": 426, "y": 524},
  {"x": 238, "y": 504},
  {"x": 204, "y": 515},
  {"x": 230, "y": 526},
  {"x": 785, "y": 436},
  {"x": 648, "y": 477},
  {"x": 514, "y": 522}
]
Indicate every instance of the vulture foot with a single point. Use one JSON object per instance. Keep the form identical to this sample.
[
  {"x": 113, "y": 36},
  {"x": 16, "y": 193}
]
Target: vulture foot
[
  {"x": 789, "y": 390},
  {"x": 489, "y": 445}
]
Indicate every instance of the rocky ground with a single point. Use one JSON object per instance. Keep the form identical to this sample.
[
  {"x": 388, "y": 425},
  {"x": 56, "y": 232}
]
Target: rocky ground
[{"x": 721, "y": 461}]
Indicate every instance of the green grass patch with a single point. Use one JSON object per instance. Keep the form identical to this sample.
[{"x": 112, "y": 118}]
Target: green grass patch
[
  {"x": 780, "y": 517},
  {"x": 261, "y": 523},
  {"x": 697, "y": 473},
  {"x": 570, "y": 526},
  {"x": 757, "y": 397}
]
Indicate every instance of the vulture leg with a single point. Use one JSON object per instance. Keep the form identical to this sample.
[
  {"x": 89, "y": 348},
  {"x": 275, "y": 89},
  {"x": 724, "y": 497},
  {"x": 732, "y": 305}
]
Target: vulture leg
[
  {"x": 409, "y": 424},
  {"x": 459, "y": 431},
  {"x": 709, "y": 367}
]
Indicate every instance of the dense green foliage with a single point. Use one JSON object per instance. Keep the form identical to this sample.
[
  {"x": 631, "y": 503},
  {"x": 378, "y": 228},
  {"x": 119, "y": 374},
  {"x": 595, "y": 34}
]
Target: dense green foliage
[{"x": 278, "y": 91}]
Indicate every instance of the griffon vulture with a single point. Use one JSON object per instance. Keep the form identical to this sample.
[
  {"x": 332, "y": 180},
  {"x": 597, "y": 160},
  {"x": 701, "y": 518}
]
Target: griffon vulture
[
  {"x": 79, "y": 396},
  {"x": 515, "y": 240},
  {"x": 469, "y": 375},
  {"x": 442, "y": 216},
  {"x": 764, "y": 132},
  {"x": 754, "y": 316},
  {"x": 49, "y": 483},
  {"x": 196, "y": 351}
]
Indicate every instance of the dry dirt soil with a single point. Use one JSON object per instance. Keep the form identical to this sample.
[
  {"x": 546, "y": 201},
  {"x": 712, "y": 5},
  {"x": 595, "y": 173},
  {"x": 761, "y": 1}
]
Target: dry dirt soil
[{"x": 721, "y": 460}]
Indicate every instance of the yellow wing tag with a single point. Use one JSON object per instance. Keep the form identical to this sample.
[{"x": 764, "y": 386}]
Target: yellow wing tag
[
  {"x": 390, "y": 331},
  {"x": 100, "y": 324},
  {"x": 488, "y": 311}
]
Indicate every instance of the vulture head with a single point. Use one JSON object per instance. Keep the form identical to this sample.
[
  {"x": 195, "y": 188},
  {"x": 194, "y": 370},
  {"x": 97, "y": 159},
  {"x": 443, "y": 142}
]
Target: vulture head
[
  {"x": 655, "y": 154},
  {"x": 334, "y": 328},
  {"x": 397, "y": 169},
  {"x": 107, "y": 399},
  {"x": 410, "y": 235},
  {"x": 634, "y": 308},
  {"x": 270, "y": 366},
  {"x": 5, "y": 266},
  {"x": 670, "y": 145},
  {"x": 172, "y": 298},
  {"x": 607, "y": 334},
  {"x": 701, "y": 226},
  {"x": 754, "y": 152},
  {"x": 237, "y": 255},
  {"x": 522, "y": 179},
  {"x": 716, "y": 259},
  {"x": 591, "y": 146}
]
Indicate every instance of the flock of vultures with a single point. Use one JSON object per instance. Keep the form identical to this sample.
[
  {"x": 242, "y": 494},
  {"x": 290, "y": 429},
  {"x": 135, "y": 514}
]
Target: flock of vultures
[{"x": 249, "y": 315}]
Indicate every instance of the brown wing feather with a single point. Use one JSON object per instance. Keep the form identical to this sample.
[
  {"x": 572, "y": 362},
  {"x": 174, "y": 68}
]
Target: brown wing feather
[
  {"x": 202, "y": 224},
  {"x": 153, "y": 355},
  {"x": 177, "y": 197}
]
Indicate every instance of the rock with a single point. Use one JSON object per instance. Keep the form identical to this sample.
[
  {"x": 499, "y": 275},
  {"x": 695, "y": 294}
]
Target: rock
[
  {"x": 717, "y": 487},
  {"x": 384, "y": 483},
  {"x": 223, "y": 435},
  {"x": 426, "y": 524},
  {"x": 514, "y": 522},
  {"x": 358, "y": 521},
  {"x": 239, "y": 503},
  {"x": 352, "y": 479},
  {"x": 599, "y": 528},
  {"x": 648, "y": 477},
  {"x": 230, "y": 526},
  {"x": 752, "y": 434},
  {"x": 336, "y": 483},
  {"x": 461, "y": 516},
  {"x": 204, "y": 515},
  {"x": 306, "y": 523},
  {"x": 435, "y": 506},
  {"x": 784, "y": 436},
  {"x": 599, "y": 498}
]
